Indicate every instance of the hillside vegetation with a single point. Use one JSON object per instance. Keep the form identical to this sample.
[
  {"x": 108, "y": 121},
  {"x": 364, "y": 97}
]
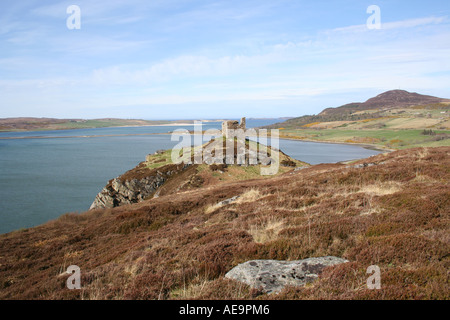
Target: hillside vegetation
[
  {"x": 395, "y": 119},
  {"x": 390, "y": 210}
]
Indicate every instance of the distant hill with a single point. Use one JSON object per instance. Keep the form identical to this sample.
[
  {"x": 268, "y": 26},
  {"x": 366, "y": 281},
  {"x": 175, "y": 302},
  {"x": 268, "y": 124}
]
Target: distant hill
[
  {"x": 371, "y": 108},
  {"x": 386, "y": 100}
]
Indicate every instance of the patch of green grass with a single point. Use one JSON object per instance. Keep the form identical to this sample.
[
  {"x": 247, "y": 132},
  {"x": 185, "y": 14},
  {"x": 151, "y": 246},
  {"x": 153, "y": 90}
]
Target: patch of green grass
[
  {"x": 158, "y": 160},
  {"x": 382, "y": 137},
  {"x": 251, "y": 170}
]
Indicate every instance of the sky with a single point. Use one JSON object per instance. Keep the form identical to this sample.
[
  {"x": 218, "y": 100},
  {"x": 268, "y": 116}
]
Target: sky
[{"x": 195, "y": 59}]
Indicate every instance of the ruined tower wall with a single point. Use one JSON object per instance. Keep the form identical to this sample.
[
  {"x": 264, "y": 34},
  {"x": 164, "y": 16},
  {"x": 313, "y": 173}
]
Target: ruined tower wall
[{"x": 233, "y": 125}]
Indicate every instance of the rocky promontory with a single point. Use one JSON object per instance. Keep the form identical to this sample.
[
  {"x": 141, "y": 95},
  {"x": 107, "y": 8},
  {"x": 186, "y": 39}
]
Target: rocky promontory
[{"x": 146, "y": 180}]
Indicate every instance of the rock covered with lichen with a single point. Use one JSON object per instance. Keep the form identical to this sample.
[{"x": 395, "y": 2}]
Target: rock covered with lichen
[{"x": 271, "y": 276}]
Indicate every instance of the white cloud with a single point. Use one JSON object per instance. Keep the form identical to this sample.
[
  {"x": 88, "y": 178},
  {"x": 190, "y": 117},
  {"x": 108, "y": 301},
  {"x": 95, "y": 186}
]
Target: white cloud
[
  {"x": 409, "y": 23},
  {"x": 179, "y": 67},
  {"x": 412, "y": 23}
]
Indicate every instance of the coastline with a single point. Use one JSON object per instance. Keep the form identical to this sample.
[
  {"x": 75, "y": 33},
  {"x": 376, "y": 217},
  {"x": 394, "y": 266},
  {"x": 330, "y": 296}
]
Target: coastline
[
  {"x": 86, "y": 136},
  {"x": 363, "y": 145},
  {"x": 175, "y": 124},
  {"x": 128, "y": 126},
  {"x": 366, "y": 146},
  {"x": 149, "y": 125}
]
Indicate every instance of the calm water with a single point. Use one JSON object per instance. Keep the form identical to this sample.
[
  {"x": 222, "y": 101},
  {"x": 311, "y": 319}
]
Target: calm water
[{"x": 42, "y": 178}]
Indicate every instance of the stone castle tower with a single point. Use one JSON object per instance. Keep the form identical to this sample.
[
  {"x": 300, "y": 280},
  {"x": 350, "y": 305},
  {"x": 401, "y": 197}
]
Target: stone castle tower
[{"x": 233, "y": 125}]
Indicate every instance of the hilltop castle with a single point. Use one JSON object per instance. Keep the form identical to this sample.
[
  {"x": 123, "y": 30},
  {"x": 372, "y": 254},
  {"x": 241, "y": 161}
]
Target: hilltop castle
[{"x": 232, "y": 125}]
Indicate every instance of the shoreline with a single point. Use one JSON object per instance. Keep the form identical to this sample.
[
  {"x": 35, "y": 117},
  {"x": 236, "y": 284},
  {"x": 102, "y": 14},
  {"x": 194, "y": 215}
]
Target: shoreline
[
  {"x": 85, "y": 136},
  {"x": 175, "y": 124},
  {"x": 128, "y": 126},
  {"x": 366, "y": 146},
  {"x": 144, "y": 125}
]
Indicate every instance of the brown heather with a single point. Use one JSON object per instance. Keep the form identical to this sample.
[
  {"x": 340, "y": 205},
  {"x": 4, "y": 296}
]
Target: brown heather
[{"x": 179, "y": 246}]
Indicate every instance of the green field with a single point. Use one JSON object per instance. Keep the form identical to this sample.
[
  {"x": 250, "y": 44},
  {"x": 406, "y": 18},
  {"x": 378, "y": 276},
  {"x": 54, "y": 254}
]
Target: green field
[{"x": 384, "y": 138}]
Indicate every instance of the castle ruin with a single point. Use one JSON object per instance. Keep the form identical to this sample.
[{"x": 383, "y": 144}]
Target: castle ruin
[{"x": 232, "y": 125}]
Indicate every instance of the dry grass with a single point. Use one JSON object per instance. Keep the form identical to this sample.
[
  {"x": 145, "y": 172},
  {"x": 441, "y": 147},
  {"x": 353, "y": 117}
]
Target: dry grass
[
  {"x": 213, "y": 207},
  {"x": 251, "y": 195},
  {"x": 381, "y": 189},
  {"x": 266, "y": 231},
  {"x": 412, "y": 123}
]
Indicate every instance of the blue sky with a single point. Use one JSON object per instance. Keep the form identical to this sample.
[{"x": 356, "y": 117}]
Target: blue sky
[{"x": 183, "y": 59}]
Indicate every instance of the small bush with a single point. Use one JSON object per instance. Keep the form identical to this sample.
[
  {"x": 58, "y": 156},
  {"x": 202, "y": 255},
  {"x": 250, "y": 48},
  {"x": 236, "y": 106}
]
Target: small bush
[{"x": 430, "y": 132}]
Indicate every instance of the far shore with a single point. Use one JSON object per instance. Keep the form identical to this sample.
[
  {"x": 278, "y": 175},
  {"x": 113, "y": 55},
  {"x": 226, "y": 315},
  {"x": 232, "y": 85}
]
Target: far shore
[
  {"x": 366, "y": 146},
  {"x": 60, "y": 126},
  {"x": 153, "y": 125}
]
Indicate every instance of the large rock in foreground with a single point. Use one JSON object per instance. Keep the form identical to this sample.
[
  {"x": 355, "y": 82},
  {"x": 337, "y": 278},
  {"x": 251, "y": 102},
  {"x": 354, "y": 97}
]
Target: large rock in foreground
[{"x": 271, "y": 276}]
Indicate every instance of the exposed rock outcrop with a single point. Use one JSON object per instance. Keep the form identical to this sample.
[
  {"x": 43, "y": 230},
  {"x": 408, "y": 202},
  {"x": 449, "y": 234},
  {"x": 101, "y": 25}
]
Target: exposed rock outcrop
[
  {"x": 128, "y": 189},
  {"x": 271, "y": 276}
]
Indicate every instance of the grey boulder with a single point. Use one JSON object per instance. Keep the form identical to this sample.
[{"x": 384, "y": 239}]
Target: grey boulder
[{"x": 271, "y": 276}]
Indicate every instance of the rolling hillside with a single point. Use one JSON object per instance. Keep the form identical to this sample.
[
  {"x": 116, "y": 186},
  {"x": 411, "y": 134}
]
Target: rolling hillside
[{"x": 395, "y": 119}]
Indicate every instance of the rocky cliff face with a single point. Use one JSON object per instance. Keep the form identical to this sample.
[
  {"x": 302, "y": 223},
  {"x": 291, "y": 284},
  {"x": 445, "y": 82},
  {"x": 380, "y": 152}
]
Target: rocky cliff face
[{"x": 135, "y": 186}]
